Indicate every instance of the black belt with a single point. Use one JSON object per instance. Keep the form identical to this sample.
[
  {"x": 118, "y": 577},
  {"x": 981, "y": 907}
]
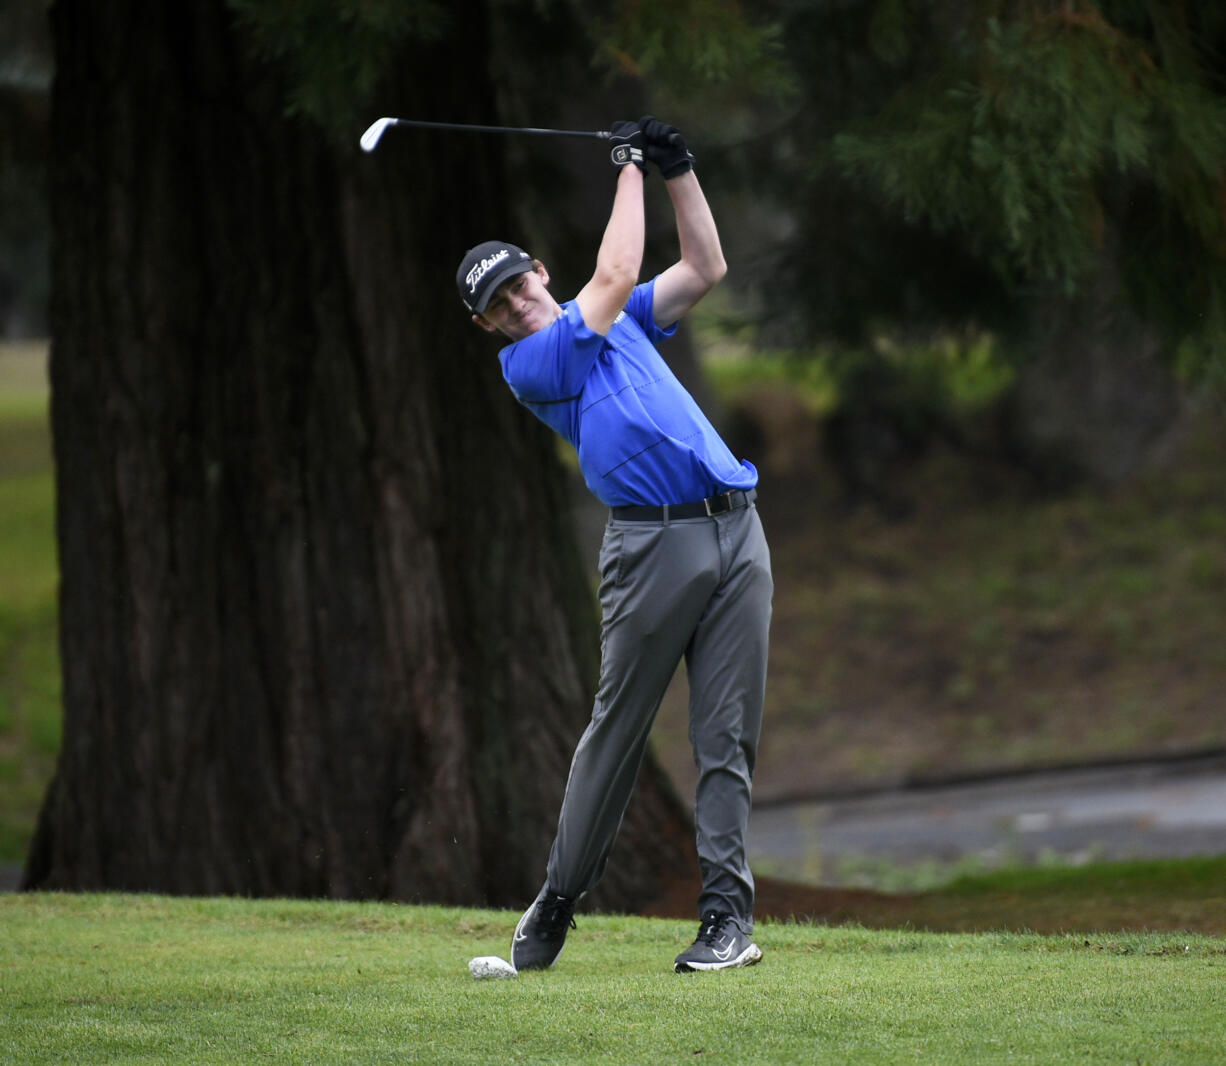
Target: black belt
[{"x": 712, "y": 505}]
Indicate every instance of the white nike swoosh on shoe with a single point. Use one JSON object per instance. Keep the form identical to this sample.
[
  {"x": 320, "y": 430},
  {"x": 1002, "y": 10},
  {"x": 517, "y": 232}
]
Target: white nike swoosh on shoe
[
  {"x": 520, "y": 935},
  {"x": 726, "y": 954}
]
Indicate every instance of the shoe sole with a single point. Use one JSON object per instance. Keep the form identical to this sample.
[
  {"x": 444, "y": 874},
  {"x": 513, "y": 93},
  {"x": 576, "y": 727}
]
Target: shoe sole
[{"x": 748, "y": 957}]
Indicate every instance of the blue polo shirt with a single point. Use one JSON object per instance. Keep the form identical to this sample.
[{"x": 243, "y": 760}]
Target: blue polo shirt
[{"x": 639, "y": 435}]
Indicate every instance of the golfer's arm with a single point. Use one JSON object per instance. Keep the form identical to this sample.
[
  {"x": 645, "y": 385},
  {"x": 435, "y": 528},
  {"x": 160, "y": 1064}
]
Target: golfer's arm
[
  {"x": 701, "y": 265},
  {"x": 620, "y": 256}
]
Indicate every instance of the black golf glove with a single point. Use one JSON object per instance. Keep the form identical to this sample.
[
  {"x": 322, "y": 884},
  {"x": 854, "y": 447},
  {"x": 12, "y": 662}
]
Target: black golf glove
[
  {"x": 626, "y": 145},
  {"x": 665, "y": 147}
]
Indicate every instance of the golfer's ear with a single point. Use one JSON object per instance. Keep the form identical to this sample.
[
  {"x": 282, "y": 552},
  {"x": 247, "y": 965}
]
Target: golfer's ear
[{"x": 489, "y": 327}]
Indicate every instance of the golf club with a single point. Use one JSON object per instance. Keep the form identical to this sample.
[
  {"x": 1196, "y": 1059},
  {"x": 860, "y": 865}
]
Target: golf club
[{"x": 371, "y": 137}]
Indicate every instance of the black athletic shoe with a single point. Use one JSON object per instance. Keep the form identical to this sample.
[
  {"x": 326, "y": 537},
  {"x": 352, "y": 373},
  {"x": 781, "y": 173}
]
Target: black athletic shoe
[
  {"x": 541, "y": 933},
  {"x": 720, "y": 945}
]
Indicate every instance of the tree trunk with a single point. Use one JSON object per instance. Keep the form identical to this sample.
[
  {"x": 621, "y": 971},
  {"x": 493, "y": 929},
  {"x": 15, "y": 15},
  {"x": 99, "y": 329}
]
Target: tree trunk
[
  {"x": 1096, "y": 398},
  {"x": 323, "y": 626}
]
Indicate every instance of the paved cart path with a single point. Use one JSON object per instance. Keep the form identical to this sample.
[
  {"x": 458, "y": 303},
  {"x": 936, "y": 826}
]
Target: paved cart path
[{"x": 1154, "y": 810}]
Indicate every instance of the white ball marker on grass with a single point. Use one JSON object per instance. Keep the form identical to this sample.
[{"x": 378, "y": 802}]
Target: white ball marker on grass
[{"x": 490, "y": 966}]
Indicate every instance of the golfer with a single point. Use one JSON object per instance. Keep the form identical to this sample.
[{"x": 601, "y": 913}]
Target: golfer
[{"x": 684, "y": 564}]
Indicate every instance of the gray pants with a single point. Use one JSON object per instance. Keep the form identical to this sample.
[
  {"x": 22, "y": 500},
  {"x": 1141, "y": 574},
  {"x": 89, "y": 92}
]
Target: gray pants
[{"x": 701, "y": 588}]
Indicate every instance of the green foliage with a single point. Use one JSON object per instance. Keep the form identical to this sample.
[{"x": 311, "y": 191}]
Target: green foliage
[
  {"x": 1007, "y": 144},
  {"x": 335, "y": 54},
  {"x": 951, "y": 374},
  {"x": 944, "y": 165},
  {"x": 805, "y": 376},
  {"x": 691, "y": 46},
  {"x": 149, "y": 979},
  {"x": 1059, "y": 142}
]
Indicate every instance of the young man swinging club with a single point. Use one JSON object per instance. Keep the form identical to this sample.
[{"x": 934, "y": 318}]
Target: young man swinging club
[{"x": 684, "y": 563}]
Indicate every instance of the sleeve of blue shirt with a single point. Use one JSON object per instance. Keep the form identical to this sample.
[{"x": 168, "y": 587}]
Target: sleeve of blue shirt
[
  {"x": 639, "y": 307},
  {"x": 551, "y": 365}
]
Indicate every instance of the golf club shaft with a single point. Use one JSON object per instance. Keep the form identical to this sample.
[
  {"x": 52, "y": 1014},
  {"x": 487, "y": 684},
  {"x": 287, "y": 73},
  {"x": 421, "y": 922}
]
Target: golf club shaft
[{"x": 371, "y": 137}]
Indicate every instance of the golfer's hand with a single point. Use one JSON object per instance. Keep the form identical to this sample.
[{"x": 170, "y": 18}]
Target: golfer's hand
[
  {"x": 626, "y": 145},
  {"x": 665, "y": 147}
]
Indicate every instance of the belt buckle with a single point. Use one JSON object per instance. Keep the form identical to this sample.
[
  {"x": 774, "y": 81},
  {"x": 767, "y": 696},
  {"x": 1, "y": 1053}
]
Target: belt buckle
[{"x": 725, "y": 496}]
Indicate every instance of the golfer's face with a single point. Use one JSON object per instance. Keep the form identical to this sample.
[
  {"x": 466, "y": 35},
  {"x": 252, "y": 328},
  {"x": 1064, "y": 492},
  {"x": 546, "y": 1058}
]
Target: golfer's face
[{"x": 521, "y": 305}]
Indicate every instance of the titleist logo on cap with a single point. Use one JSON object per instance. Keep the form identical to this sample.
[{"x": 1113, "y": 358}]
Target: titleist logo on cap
[
  {"x": 485, "y": 267},
  {"x": 482, "y": 268}
]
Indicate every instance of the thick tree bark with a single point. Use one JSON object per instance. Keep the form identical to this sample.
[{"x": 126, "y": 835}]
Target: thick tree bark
[
  {"x": 323, "y": 625},
  {"x": 1096, "y": 398}
]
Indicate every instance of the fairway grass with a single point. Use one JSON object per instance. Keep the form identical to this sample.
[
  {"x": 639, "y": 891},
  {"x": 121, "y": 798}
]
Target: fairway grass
[
  {"x": 143, "y": 979},
  {"x": 29, "y": 578}
]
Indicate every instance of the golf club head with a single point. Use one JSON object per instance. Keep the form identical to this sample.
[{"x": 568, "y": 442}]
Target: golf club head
[{"x": 371, "y": 137}]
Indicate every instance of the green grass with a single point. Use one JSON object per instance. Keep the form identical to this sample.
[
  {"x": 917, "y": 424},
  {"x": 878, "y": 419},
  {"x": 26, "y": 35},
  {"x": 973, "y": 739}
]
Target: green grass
[
  {"x": 94, "y": 979},
  {"x": 1058, "y": 898},
  {"x": 1138, "y": 895},
  {"x": 29, "y": 658}
]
